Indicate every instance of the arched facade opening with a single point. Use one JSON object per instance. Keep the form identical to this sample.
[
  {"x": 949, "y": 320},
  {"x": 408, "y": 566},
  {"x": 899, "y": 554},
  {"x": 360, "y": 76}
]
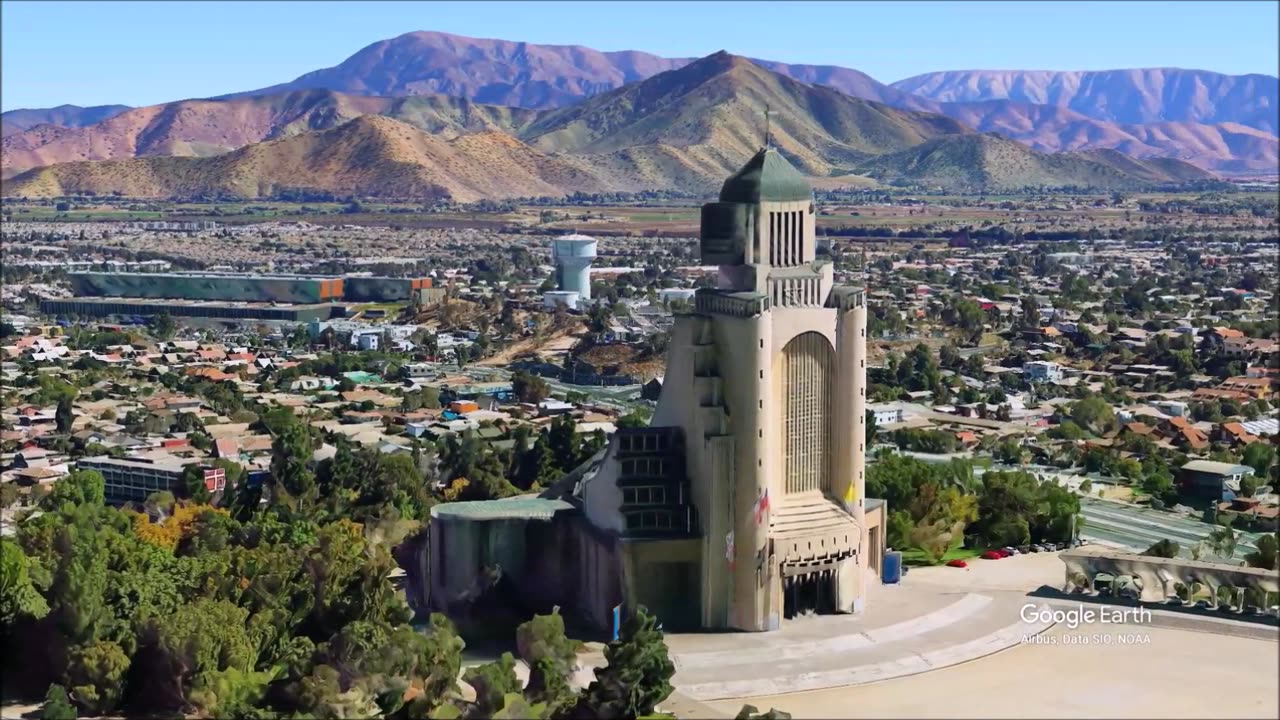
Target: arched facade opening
[{"x": 808, "y": 397}]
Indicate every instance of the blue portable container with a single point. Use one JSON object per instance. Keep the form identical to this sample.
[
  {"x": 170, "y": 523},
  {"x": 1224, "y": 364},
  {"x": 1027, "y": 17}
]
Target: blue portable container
[{"x": 891, "y": 568}]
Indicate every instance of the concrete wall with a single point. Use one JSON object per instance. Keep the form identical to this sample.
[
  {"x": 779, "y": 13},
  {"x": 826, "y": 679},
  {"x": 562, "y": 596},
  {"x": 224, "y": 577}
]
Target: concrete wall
[
  {"x": 1158, "y": 576},
  {"x": 601, "y": 497}
]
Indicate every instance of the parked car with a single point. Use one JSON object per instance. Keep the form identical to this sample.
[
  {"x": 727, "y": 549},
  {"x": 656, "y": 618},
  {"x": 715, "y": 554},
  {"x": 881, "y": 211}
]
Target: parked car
[
  {"x": 957, "y": 564},
  {"x": 992, "y": 555}
]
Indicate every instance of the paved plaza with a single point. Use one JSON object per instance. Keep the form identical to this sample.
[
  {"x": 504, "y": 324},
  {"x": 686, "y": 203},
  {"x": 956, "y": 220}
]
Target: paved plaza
[
  {"x": 1179, "y": 674},
  {"x": 1062, "y": 672}
]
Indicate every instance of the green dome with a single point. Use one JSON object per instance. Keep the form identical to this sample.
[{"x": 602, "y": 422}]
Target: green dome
[{"x": 767, "y": 177}]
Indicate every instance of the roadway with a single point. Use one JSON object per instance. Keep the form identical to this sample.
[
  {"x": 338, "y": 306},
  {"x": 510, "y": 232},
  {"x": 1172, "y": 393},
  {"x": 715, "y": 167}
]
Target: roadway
[
  {"x": 1134, "y": 527},
  {"x": 622, "y": 398},
  {"x": 1138, "y": 528}
]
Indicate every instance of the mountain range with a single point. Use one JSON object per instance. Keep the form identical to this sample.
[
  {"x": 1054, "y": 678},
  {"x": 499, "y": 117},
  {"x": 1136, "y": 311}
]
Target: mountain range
[
  {"x": 683, "y": 129},
  {"x": 15, "y": 121},
  {"x": 634, "y": 120},
  {"x": 1202, "y": 117}
]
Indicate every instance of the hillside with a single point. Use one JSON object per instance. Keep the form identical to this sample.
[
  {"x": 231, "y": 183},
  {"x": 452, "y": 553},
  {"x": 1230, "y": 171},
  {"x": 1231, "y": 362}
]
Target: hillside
[
  {"x": 1219, "y": 122},
  {"x": 520, "y": 74},
  {"x": 1225, "y": 147},
  {"x": 497, "y": 72},
  {"x": 203, "y": 128},
  {"x": 713, "y": 111},
  {"x": 988, "y": 162},
  {"x": 15, "y": 121},
  {"x": 371, "y": 156},
  {"x": 1147, "y": 95},
  {"x": 684, "y": 129}
]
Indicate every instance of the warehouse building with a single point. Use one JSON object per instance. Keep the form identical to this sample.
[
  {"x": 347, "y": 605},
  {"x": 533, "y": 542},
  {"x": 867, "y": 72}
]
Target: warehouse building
[
  {"x": 147, "y": 307},
  {"x": 240, "y": 287}
]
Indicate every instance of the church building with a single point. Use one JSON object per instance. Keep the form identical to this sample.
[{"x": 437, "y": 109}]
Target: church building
[{"x": 743, "y": 502}]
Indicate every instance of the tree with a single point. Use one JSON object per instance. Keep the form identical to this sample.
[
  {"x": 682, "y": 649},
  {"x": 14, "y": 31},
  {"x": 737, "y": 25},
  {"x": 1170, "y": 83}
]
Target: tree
[
  {"x": 192, "y": 485},
  {"x": 56, "y": 705},
  {"x": 871, "y": 427},
  {"x": 1066, "y": 430},
  {"x": 530, "y": 388},
  {"x": 18, "y": 596},
  {"x": 563, "y": 440},
  {"x": 1248, "y": 486},
  {"x": 1265, "y": 556},
  {"x": 948, "y": 356},
  {"x": 163, "y": 326},
  {"x": 1163, "y": 549},
  {"x": 9, "y": 495},
  {"x": 637, "y": 676},
  {"x": 1222, "y": 542},
  {"x": 1093, "y": 413},
  {"x": 538, "y": 466},
  {"x": 96, "y": 674},
  {"x": 493, "y": 682},
  {"x": 551, "y": 657},
  {"x": 633, "y": 419},
  {"x": 1259, "y": 456},
  {"x": 201, "y": 637},
  {"x": 290, "y": 458},
  {"x": 1015, "y": 508},
  {"x": 81, "y": 487},
  {"x": 1160, "y": 485},
  {"x": 63, "y": 415}
]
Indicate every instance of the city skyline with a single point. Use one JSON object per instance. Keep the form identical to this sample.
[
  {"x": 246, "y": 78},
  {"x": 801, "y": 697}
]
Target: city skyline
[{"x": 246, "y": 45}]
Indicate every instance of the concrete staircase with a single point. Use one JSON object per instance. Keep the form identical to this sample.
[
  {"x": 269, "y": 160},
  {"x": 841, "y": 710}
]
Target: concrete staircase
[{"x": 834, "y": 651}]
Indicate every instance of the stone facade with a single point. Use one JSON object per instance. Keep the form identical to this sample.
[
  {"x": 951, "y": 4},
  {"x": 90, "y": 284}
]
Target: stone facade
[
  {"x": 743, "y": 502},
  {"x": 765, "y": 390}
]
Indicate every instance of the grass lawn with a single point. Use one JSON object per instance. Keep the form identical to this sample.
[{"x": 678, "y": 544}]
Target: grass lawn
[{"x": 915, "y": 558}]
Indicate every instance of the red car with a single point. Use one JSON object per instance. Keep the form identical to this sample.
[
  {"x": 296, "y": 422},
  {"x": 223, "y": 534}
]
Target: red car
[
  {"x": 992, "y": 555},
  {"x": 958, "y": 564}
]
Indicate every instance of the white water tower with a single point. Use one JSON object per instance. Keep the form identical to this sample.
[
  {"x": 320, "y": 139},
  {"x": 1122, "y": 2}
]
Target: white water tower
[{"x": 572, "y": 256}]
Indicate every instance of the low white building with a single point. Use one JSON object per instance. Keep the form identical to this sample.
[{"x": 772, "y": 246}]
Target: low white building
[
  {"x": 1042, "y": 371},
  {"x": 887, "y": 413},
  {"x": 568, "y": 298}
]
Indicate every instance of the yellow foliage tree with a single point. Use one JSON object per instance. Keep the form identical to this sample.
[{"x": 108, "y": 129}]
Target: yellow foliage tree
[
  {"x": 455, "y": 489},
  {"x": 172, "y": 530}
]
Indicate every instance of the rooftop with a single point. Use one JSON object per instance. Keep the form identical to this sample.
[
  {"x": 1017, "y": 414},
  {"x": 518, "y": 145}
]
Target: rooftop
[
  {"x": 517, "y": 508},
  {"x": 767, "y": 177},
  {"x": 1217, "y": 468}
]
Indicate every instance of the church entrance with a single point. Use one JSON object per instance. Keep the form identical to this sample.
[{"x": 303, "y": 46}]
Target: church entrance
[{"x": 807, "y": 593}]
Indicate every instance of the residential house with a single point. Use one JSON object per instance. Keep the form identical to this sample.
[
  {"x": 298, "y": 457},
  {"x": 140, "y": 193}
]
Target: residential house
[
  {"x": 1234, "y": 433},
  {"x": 1207, "y": 479},
  {"x": 1181, "y": 432}
]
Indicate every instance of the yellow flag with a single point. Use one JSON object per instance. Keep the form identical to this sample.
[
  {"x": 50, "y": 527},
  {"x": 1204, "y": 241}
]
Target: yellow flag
[{"x": 848, "y": 494}]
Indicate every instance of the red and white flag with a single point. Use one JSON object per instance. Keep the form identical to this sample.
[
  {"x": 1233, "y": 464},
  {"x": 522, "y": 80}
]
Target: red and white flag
[{"x": 761, "y": 506}]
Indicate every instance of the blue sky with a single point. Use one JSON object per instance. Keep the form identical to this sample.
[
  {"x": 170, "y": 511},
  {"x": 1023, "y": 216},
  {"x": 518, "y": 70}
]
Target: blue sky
[{"x": 139, "y": 53}]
